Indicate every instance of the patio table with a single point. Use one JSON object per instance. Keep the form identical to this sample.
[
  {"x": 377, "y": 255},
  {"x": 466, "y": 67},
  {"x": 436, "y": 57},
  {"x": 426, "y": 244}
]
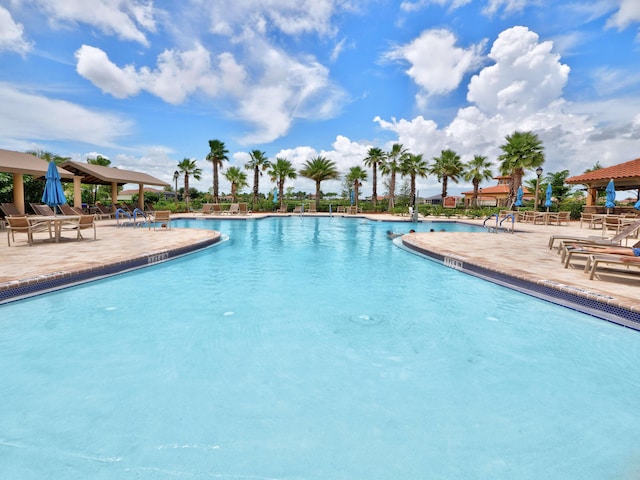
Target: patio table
[{"x": 55, "y": 221}]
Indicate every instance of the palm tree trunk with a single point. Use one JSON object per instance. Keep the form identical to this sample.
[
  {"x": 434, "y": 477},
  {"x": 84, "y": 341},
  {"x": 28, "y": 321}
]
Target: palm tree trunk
[
  {"x": 392, "y": 191},
  {"x": 216, "y": 198},
  {"x": 475, "y": 193},
  {"x": 317, "y": 195},
  {"x": 256, "y": 179},
  {"x": 186, "y": 190},
  {"x": 374, "y": 198},
  {"x": 281, "y": 191}
]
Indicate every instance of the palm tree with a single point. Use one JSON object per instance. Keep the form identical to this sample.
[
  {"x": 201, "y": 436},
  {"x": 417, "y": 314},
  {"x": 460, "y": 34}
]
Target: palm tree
[
  {"x": 280, "y": 171},
  {"x": 475, "y": 171},
  {"x": 238, "y": 180},
  {"x": 217, "y": 154},
  {"x": 523, "y": 150},
  {"x": 447, "y": 166},
  {"x": 375, "y": 157},
  {"x": 102, "y": 161},
  {"x": 189, "y": 167},
  {"x": 390, "y": 166},
  {"x": 414, "y": 166},
  {"x": 354, "y": 177},
  {"x": 258, "y": 162},
  {"x": 319, "y": 169}
]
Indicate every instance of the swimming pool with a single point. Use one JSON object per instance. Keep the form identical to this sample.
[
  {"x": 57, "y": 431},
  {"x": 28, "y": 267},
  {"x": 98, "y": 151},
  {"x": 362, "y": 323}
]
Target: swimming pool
[{"x": 312, "y": 348}]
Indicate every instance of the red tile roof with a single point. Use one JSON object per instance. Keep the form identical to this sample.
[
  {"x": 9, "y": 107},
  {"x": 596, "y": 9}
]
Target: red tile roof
[{"x": 628, "y": 170}]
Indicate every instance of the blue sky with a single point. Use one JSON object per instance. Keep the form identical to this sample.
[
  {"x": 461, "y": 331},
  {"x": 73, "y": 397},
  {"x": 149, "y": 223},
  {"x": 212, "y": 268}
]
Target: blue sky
[{"x": 147, "y": 84}]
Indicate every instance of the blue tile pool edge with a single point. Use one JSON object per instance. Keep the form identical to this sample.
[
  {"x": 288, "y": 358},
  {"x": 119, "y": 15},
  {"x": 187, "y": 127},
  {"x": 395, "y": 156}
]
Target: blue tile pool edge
[
  {"x": 590, "y": 303},
  {"x": 20, "y": 289}
]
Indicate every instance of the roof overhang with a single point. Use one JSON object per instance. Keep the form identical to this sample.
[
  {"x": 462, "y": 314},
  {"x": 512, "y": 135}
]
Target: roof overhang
[
  {"x": 27, "y": 164},
  {"x": 100, "y": 175}
]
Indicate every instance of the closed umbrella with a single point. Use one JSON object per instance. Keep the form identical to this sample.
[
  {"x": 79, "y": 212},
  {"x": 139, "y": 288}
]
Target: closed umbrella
[
  {"x": 548, "y": 202},
  {"x": 611, "y": 196},
  {"x": 53, "y": 194},
  {"x": 275, "y": 195},
  {"x": 637, "y": 205},
  {"x": 519, "y": 196},
  {"x": 352, "y": 197}
]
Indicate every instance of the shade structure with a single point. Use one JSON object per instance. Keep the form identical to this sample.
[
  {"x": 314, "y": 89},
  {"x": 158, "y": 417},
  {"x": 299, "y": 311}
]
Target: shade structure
[
  {"x": 519, "y": 196},
  {"x": 611, "y": 195},
  {"x": 549, "y": 193},
  {"x": 275, "y": 195},
  {"x": 53, "y": 194}
]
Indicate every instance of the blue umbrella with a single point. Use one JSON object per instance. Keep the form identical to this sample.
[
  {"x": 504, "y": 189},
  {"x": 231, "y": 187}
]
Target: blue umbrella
[
  {"x": 351, "y": 195},
  {"x": 611, "y": 195},
  {"x": 53, "y": 193},
  {"x": 548, "y": 202},
  {"x": 519, "y": 197},
  {"x": 275, "y": 195},
  {"x": 637, "y": 205}
]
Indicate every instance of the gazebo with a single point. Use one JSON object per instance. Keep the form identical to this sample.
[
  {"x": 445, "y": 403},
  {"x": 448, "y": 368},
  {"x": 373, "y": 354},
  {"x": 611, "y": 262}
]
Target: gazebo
[
  {"x": 626, "y": 176},
  {"x": 99, "y": 175},
  {"x": 21, "y": 164}
]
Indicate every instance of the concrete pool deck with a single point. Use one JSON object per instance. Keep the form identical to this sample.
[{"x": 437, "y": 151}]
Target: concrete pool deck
[{"x": 520, "y": 258}]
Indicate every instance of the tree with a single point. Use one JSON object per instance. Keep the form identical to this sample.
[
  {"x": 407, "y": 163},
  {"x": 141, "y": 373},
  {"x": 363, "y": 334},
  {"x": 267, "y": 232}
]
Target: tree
[
  {"x": 238, "y": 180},
  {"x": 414, "y": 166},
  {"x": 523, "y": 151},
  {"x": 258, "y": 163},
  {"x": 189, "y": 167},
  {"x": 355, "y": 177},
  {"x": 390, "y": 166},
  {"x": 375, "y": 157},
  {"x": 103, "y": 162},
  {"x": 476, "y": 171},
  {"x": 558, "y": 188},
  {"x": 447, "y": 166},
  {"x": 319, "y": 169},
  {"x": 217, "y": 154},
  {"x": 279, "y": 172}
]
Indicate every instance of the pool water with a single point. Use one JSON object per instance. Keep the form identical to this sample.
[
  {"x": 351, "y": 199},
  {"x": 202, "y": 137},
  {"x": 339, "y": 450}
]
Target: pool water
[{"x": 312, "y": 348}]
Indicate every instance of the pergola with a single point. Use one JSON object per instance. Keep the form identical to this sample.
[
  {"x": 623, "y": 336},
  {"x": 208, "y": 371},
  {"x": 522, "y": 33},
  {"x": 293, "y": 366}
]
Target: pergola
[
  {"x": 21, "y": 164},
  {"x": 625, "y": 176},
  {"x": 98, "y": 175}
]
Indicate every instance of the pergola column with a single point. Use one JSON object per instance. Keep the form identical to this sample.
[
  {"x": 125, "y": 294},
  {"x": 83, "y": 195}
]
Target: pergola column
[
  {"x": 77, "y": 191},
  {"x": 141, "y": 196},
  {"x": 592, "y": 195},
  {"x": 18, "y": 191}
]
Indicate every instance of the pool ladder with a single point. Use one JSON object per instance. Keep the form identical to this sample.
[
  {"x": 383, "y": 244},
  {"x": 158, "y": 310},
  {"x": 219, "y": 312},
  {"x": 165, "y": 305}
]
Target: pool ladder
[{"x": 498, "y": 226}]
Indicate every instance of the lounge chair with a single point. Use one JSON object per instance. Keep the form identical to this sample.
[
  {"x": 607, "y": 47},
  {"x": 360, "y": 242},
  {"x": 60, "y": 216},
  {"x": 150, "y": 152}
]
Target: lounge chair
[
  {"x": 243, "y": 209},
  {"x": 10, "y": 209},
  {"x": 312, "y": 208},
  {"x": 40, "y": 209},
  {"x": 627, "y": 232},
  {"x": 207, "y": 209},
  {"x": 283, "y": 209},
  {"x": 582, "y": 250},
  {"x": 234, "y": 209},
  {"x": 84, "y": 222},
  {"x": 161, "y": 217},
  {"x": 21, "y": 224},
  {"x": 103, "y": 212},
  {"x": 298, "y": 209},
  {"x": 599, "y": 261},
  {"x": 67, "y": 209},
  {"x": 216, "y": 209}
]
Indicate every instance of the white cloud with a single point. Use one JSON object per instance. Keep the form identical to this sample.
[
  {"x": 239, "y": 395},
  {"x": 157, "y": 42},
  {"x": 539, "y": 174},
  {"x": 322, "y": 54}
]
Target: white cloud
[
  {"x": 28, "y": 115},
  {"x": 525, "y": 77},
  {"x": 94, "y": 65},
  {"x": 508, "y": 6},
  {"x": 12, "y": 34},
  {"x": 408, "y": 6},
  {"x": 628, "y": 13},
  {"x": 124, "y": 18},
  {"x": 437, "y": 65}
]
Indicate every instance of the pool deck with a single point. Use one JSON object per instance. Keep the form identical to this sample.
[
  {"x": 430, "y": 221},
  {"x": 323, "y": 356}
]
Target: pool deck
[{"x": 520, "y": 259}]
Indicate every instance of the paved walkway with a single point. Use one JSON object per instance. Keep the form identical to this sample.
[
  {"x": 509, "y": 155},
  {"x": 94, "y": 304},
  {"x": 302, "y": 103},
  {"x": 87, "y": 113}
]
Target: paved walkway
[{"x": 522, "y": 255}]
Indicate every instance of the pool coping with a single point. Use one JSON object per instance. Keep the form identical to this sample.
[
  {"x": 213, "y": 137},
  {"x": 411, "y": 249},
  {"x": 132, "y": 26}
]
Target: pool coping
[
  {"x": 29, "y": 287},
  {"x": 595, "y": 304}
]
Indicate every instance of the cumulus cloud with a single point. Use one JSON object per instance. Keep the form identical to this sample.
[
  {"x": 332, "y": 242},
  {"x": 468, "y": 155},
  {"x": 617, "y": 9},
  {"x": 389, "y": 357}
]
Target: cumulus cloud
[
  {"x": 277, "y": 89},
  {"x": 525, "y": 77},
  {"x": 437, "y": 65},
  {"x": 127, "y": 19},
  {"x": 28, "y": 115},
  {"x": 522, "y": 90},
  {"x": 12, "y": 34}
]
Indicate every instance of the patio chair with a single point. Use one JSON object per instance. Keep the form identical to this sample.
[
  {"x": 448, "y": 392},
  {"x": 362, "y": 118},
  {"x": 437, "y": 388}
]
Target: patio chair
[
  {"x": 85, "y": 222},
  {"x": 234, "y": 209},
  {"x": 243, "y": 209},
  {"x": 558, "y": 218},
  {"x": 162, "y": 217},
  {"x": 283, "y": 209},
  {"x": 216, "y": 209},
  {"x": 297, "y": 209},
  {"x": 21, "y": 224},
  {"x": 589, "y": 219},
  {"x": 611, "y": 223},
  {"x": 312, "y": 208}
]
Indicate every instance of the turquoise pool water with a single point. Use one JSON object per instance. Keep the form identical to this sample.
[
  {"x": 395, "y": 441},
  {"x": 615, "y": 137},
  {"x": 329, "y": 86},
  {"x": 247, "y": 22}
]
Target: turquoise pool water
[{"x": 309, "y": 348}]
